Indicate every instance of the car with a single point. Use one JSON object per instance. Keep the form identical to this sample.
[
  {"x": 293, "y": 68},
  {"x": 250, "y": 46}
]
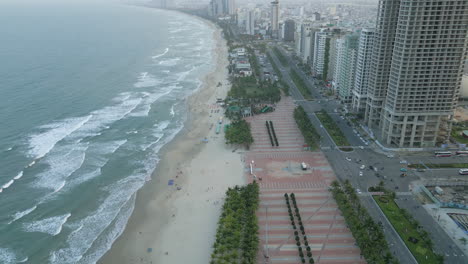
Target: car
[
  {"x": 390, "y": 156},
  {"x": 403, "y": 162},
  {"x": 403, "y": 170},
  {"x": 362, "y": 167},
  {"x": 348, "y": 159},
  {"x": 421, "y": 170},
  {"x": 360, "y": 173},
  {"x": 358, "y": 191},
  {"x": 361, "y": 147}
]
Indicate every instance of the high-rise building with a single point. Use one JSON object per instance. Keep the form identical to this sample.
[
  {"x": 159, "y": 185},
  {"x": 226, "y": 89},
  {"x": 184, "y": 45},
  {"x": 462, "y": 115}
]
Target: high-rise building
[
  {"x": 363, "y": 67},
  {"x": 321, "y": 53},
  {"x": 275, "y": 18},
  {"x": 221, "y": 7},
  {"x": 289, "y": 28},
  {"x": 335, "y": 34},
  {"x": 419, "y": 50},
  {"x": 250, "y": 23},
  {"x": 231, "y": 7},
  {"x": 345, "y": 68},
  {"x": 316, "y": 16}
]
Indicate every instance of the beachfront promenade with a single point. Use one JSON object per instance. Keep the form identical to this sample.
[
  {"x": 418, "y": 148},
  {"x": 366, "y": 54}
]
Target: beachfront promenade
[{"x": 280, "y": 171}]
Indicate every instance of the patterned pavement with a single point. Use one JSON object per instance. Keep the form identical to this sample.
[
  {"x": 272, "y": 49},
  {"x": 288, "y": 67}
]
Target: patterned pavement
[{"x": 279, "y": 169}]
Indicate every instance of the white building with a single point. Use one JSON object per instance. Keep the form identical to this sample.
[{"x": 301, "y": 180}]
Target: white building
[
  {"x": 320, "y": 49},
  {"x": 363, "y": 67}
]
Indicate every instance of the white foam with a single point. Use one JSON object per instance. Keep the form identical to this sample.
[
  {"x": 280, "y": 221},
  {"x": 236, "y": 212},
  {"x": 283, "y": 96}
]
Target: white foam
[
  {"x": 184, "y": 75},
  {"x": 9, "y": 149},
  {"x": 91, "y": 227},
  {"x": 62, "y": 163},
  {"x": 172, "y": 111},
  {"x": 23, "y": 260},
  {"x": 18, "y": 176},
  {"x": 7, "y": 256},
  {"x": 146, "y": 80},
  {"x": 103, "y": 118},
  {"x": 162, "y": 54},
  {"x": 31, "y": 164},
  {"x": 145, "y": 107},
  {"x": 43, "y": 142},
  {"x": 8, "y": 184},
  {"x": 19, "y": 215},
  {"x": 170, "y": 62},
  {"x": 52, "y": 225}
]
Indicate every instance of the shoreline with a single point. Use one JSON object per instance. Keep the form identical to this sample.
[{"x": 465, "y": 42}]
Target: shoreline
[{"x": 169, "y": 225}]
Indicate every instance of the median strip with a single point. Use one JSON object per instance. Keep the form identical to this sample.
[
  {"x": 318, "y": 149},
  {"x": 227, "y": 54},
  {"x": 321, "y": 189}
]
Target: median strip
[
  {"x": 301, "y": 85},
  {"x": 332, "y": 128}
]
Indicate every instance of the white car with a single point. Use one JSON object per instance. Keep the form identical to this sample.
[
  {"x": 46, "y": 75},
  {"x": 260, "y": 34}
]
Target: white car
[
  {"x": 348, "y": 159},
  {"x": 390, "y": 156},
  {"x": 403, "y": 162},
  {"x": 362, "y": 167},
  {"x": 360, "y": 173},
  {"x": 358, "y": 191},
  {"x": 361, "y": 147}
]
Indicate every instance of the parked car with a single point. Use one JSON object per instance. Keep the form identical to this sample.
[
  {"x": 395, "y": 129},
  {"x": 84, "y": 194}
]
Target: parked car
[{"x": 348, "y": 159}]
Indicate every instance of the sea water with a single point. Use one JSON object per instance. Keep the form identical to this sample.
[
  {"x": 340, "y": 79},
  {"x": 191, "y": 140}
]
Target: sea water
[{"x": 89, "y": 93}]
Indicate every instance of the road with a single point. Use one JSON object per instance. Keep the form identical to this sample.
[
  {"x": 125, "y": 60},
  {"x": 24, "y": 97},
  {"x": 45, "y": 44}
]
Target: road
[
  {"x": 388, "y": 169},
  {"x": 319, "y": 102}
]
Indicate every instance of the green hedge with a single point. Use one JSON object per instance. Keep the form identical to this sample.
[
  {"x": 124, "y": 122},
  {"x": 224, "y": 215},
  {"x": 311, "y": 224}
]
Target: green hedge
[
  {"x": 239, "y": 133},
  {"x": 308, "y": 130},
  {"x": 281, "y": 57},
  {"x": 332, "y": 128},
  {"x": 301, "y": 85}
]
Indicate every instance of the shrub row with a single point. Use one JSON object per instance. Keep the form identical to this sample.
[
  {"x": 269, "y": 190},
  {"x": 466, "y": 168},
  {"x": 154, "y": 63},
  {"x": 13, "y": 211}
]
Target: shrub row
[
  {"x": 301, "y": 228},
  {"x": 281, "y": 57},
  {"x": 300, "y": 84},
  {"x": 308, "y": 130},
  {"x": 274, "y": 133},
  {"x": 269, "y": 134},
  {"x": 332, "y": 128}
]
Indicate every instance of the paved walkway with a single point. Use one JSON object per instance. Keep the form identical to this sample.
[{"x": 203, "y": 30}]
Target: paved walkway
[{"x": 279, "y": 169}]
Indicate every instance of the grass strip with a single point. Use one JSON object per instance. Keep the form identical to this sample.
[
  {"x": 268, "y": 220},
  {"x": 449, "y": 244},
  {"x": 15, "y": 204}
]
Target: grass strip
[
  {"x": 440, "y": 166},
  {"x": 301, "y": 85},
  {"x": 311, "y": 136},
  {"x": 332, "y": 128},
  {"x": 407, "y": 227},
  {"x": 280, "y": 56}
]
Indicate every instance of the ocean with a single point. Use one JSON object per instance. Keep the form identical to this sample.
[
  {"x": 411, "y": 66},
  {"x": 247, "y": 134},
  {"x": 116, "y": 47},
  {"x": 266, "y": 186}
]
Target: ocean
[{"x": 89, "y": 93}]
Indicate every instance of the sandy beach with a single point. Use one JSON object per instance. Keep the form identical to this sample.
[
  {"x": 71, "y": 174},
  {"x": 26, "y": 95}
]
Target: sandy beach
[{"x": 178, "y": 226}]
